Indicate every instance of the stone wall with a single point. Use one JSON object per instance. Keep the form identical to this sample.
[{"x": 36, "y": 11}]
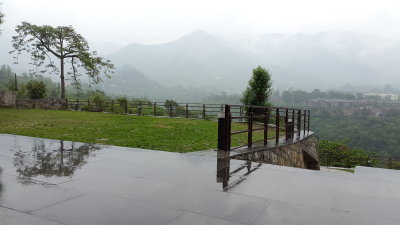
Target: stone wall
[
  {"x": 8, "y": 98},
  {"x": 54, "y": 104},
  {"x": 301, "y": 154}
]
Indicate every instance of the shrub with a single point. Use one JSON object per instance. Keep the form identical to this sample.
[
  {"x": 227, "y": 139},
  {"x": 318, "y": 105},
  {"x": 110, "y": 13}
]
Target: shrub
[{"x": 36, "y": 89}]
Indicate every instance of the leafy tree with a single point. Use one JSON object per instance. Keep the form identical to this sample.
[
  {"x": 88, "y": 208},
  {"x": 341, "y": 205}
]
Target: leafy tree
[
  {"x": 173, "y": 108},
  {"x": 259, "y": 89},
  {"x": 45, "y": 43},
  {"x": 36, "y": 89},
  {"x": 1, "y": 18}
]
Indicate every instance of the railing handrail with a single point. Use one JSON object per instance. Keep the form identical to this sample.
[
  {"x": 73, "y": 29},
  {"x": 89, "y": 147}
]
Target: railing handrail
[{"x": 291, "y": 118}]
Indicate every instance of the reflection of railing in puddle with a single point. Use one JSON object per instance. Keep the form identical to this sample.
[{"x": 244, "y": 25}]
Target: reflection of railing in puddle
[
  {"x": 225, "y": 173},
  {"x": 43, "y": 159}
]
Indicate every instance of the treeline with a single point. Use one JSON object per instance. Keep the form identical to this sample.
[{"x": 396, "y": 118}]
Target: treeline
[
  {"x": 28, "y": 85},
  {"x": 361, "y": 130},
  {"x": 300, "y": 96},
  {"x": 337, "y": 154}
]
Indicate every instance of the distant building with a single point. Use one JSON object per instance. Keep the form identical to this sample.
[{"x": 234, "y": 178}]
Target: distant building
[{"x": 392, "y": 97}]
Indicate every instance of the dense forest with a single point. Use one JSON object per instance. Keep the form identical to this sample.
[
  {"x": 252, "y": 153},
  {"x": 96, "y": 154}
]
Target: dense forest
[{"x": 361, "y": 130}]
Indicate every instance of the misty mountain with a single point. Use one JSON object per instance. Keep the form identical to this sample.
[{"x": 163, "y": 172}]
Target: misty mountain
[
  {"x": 129, "y": 81},
  {"x": 332, "y": 59},
  {"x": 325, "y": 60},
  {"x": 195, "y": 60},
  {"x": 200, "y": 62}
]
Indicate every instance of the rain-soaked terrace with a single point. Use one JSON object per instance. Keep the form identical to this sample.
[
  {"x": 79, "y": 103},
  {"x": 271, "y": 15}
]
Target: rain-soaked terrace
[{"x": 58, "y": 182}]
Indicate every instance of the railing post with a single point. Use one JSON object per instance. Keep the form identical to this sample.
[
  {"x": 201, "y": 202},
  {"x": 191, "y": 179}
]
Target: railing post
[
  {"x": 126, "y": 107},
  {"x": 224, "y": 129},
  {"x": 298, "y": 122},
  {"x": 277, "y": 118},
  {"x": 304, "y": 127},
  {"x": 187, "y": 111},
  {"x": 204, "y": 111},
  {"x": 155, "y": 109},
  {"x": 241, "y": 113},
  {"x": 266, "y": 121},
  {"x": 286, "y": 123},
  {"x": 250, "y": 129}
]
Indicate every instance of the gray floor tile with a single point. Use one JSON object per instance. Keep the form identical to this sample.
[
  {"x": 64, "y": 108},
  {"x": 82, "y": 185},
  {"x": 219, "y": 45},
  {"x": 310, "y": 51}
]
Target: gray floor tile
[
  {"x": 12, "y": 217},
  {"x": 96, "y": 209}
]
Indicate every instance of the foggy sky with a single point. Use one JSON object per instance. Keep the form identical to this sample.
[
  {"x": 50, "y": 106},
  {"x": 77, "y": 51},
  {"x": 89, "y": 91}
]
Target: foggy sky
[{"x": 158, "y": 21}]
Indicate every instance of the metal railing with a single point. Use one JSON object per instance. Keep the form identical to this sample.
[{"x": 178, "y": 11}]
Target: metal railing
[
  {"x": 294, "y": 123},
  {"x": 145, "y": 108}
]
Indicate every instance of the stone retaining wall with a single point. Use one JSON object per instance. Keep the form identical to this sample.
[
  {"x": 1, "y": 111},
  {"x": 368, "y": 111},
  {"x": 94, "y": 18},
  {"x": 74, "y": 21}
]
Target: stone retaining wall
[
  {"x": 54, "y": 104},
  {"x": 301, "y": 154},
  {"x": 8, "y": 98}
]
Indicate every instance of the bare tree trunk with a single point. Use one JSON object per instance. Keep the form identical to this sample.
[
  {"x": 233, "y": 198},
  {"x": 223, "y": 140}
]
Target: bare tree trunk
[{"x": 62, "y": 79}]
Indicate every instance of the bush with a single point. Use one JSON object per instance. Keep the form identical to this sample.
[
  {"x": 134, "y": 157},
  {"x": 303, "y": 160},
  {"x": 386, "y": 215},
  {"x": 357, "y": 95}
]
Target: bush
[{"x": 36, "y": 89}]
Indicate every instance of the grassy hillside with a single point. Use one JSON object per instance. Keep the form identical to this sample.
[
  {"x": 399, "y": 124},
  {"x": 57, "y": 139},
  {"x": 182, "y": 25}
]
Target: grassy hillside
[{"x": 177, "y": 135}]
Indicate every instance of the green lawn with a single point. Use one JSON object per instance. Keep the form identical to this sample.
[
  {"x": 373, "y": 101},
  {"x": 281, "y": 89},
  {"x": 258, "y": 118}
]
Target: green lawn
[{"x": 168, "y": 134}]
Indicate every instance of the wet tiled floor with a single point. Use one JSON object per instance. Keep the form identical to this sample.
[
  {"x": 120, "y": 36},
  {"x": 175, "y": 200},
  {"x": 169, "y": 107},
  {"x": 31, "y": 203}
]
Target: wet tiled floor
[{"x": 53, "y": 182}]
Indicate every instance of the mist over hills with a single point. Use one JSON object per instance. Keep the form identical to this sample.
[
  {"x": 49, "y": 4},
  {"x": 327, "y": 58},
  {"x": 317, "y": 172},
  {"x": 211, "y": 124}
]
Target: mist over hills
[
  {"x": 327, "y": 60},
  {"x": 195, "y": 60},
  {"x": 200, "y": 63}
]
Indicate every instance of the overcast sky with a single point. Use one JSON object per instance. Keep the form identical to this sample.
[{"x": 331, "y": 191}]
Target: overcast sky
[{"x": 157, "y": 21}]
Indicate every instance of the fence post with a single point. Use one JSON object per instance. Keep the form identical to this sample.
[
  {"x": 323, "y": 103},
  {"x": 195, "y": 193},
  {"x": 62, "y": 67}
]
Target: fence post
[
  {"x": 286, "y": 123},
  {"x": 304, "y": 127},
  {"x": 187, "y": 111},
  {"x": 204, "y": 111},
  {"x": 277, "y": 118},
  {"x": 250, "y": 129},
  {"x": 266, "y": 121},
  {"x": 126, "y": 107},
  {"x": 241, "y": 113},
  {"x": 112, "y": 105},
  {"x": 170, "y": 109},
  {"x": 298, "y": 122},
  {"x": 155, "y": 109},
  {"x": 224, "y": 130},
  {"x": 140, "y": 108}
]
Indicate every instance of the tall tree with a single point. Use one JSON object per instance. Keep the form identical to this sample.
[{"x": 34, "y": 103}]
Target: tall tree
[
  {"x": 1, "y": 19},
  {"x": 46, "y": 43},
  {"x": 259, "y": 89}
]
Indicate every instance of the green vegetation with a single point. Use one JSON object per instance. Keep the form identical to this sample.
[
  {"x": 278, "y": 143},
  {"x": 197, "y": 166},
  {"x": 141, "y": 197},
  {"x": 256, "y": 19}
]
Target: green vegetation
[
  {"x": 374, "y": 134},
  {"x": 299, "y": 96},
  {"x": 339, "y": 155},
  {"x": 64, "y": 44},
  {"x": 259, "y": 89},
  {"x": 177, "y": 135},
  {"x": 1, "y": 18},
  {"x": 36, "y": 89}
]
